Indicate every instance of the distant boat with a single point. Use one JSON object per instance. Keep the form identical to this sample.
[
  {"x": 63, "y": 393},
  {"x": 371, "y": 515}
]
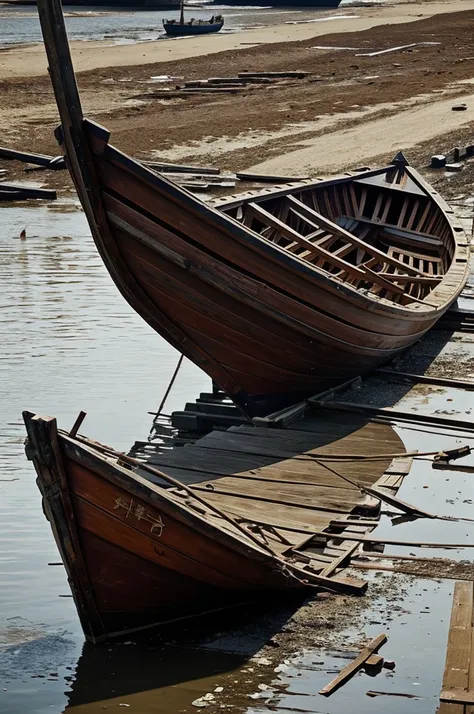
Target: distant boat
[{"x": 192, "y": 26}]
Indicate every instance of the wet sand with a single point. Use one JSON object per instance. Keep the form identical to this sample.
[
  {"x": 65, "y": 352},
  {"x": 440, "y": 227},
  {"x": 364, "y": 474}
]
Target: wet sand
[{"x": 352, "y": 107}]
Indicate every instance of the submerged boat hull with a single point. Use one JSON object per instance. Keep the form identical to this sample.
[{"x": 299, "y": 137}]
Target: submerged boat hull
[
  {"x": 144, "y": 547},
  {"x": 135, "y": 558}
]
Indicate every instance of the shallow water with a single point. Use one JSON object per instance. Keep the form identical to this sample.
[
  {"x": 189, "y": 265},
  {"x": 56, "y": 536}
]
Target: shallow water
[
  {"x": 21, "y": 24},
  {"x": 69, "y": 342}
]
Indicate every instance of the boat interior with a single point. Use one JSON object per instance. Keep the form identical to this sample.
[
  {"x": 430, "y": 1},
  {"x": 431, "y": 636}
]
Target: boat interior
[{"x": 378, "y": 231}]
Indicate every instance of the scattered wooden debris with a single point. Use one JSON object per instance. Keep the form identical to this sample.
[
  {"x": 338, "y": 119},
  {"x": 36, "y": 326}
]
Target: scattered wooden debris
[
  {"x": 459, "y": 153},
  {"x": 373, "y": 693},
  {"x": 395, "y": 49},
  {"x": 352, "y": 668},
  {"x": 458, "y": 684},
  {"x": 438, "y": 161},
  {"x": 275, "y": 75},
  {"x": 262, "y": 178},
  {"x": 444, "y": 457},
  {"x": 12, "y": 192},
  {"x": 179, "y": 169},
  {"x": 50, "y": 162},
  {"x": 374, "y": 664},
  {"x": 459, "y": 108},
  {"x": 222, "y": 85}
]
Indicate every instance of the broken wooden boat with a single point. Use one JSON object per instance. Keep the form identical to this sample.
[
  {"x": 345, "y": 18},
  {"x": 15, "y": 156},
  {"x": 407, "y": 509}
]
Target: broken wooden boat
[
  {"x": 236, "y": 517},
  {"x": 277, "y": 294}
]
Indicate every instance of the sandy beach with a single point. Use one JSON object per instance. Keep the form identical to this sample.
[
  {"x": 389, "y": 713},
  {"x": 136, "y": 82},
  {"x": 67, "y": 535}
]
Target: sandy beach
[{"x": 353, "y": 107}]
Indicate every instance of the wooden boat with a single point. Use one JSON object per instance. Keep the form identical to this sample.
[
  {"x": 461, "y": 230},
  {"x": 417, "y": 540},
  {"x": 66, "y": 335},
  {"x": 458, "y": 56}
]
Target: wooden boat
[
  {"x": 142, "y": 548},
  {"x": 192, "y": 27},
  {"x": 276, "y": 295}
]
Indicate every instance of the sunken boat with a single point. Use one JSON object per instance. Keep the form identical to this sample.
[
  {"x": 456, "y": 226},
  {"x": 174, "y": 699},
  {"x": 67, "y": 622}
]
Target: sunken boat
[
  {"x": 277, "y": 294},
  {"x": 213, "y": 525}
]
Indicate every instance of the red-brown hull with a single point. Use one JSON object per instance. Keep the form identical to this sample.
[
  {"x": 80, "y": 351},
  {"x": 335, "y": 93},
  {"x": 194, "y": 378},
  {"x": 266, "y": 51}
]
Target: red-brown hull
[
  {"x": 135, "y": 557},
  {"x": 263, "y": 327},
  {"x": 271, "y": 299}
]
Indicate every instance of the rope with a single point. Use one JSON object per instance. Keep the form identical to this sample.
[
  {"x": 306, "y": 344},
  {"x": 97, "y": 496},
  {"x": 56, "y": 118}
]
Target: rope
[{"x": 166, "y": 394}]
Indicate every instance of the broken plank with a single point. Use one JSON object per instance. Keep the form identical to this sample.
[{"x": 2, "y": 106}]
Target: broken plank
[
  {"x": 352, "y": 668},
  {"x": 337, "y": 563},
  {"x": 397, "y": 503},
  {"x": 38, "y": 159},
  {"x": 265, "y": 178},
  {"x": 28, "y": 192},
  {"x": 457, "y": 696},
  {"x": 296, "y": 74},
  {"x": 374, "y": 661},
  {"x": 458, "y": 652},
  {"x": 181, "y": 169}
]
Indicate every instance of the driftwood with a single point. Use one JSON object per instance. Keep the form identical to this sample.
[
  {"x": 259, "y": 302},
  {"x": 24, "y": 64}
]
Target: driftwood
[
  {"x": 50, "y": 162},
  {"x": 262, "y": 178},
  {"x": 352, "y": 668},
  {"x": 11, "y": 192},
  {"x": 178, "y": 169},
  {"x": 276, "y": 75},
  {"x": 373, "y": 693}
]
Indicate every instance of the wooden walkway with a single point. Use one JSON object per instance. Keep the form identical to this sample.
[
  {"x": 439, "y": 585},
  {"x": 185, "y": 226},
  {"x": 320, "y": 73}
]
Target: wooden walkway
[
  {"x": 290, "y": 485},
  {"x": 457, "y": 695}
]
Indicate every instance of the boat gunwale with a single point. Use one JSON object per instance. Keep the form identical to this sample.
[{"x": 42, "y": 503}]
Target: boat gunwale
[
  {"x": 108, "y": 468},
  {"x": 261, "y": 244}
]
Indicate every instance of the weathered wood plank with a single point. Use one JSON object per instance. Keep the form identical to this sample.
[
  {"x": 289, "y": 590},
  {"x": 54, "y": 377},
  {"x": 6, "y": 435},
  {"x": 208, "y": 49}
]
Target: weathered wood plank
[
  {"x": 458, "y": 654},
  {"x": 354, "y": 666}
]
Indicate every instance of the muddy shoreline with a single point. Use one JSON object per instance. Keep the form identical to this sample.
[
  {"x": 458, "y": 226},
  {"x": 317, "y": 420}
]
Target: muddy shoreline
[{"x": 280, "y": 124}]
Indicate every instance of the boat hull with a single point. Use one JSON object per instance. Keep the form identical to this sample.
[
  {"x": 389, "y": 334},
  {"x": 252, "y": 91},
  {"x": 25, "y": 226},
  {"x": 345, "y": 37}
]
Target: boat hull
[
  {"x": 264, "y": 327},
  {"x": 135, "y": 557},
  {"x": 255, "y": 301},
  {"x": 178, "y": 30}
]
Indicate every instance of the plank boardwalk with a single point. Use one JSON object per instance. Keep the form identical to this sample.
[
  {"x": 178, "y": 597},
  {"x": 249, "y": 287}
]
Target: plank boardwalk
[
  {"x": 457, "y": 695},
  {"x": 291, "y": 482}
]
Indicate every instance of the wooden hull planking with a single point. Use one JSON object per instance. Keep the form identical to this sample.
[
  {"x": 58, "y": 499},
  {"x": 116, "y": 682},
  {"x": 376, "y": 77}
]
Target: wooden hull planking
[
  {"x": 135, "y": 557},
  {"x": 275, "y": 295}
]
